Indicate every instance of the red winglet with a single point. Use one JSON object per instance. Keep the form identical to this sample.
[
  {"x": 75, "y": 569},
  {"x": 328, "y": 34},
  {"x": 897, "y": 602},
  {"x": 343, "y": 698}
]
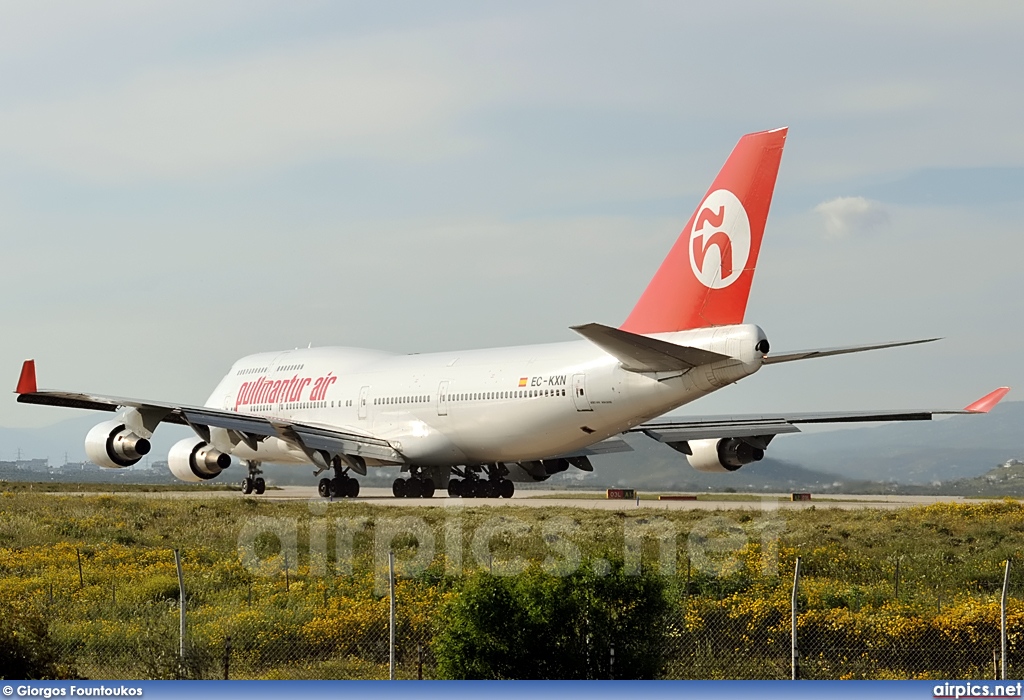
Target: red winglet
[
  {"x": 985, "y": 403},
  {"x": 27, "y": 380}
]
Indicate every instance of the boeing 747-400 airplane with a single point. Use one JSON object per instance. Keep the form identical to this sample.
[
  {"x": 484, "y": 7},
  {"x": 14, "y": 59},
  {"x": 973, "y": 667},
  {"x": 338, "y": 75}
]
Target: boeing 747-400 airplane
[{"x": 475, "y": 421}]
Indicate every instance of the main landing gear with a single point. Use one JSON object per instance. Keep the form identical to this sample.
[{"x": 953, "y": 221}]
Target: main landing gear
[
  {"x": 414, "y": 487},
  {"x": 341, "y": 486},
  {"x": 253, "y": 482},
  {"x": 471, "y": 485}
]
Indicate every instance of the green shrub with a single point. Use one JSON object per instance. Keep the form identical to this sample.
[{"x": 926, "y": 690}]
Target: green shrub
[
  {"x": 540, "y": 626},
  {"x": 26, "y": 649}
]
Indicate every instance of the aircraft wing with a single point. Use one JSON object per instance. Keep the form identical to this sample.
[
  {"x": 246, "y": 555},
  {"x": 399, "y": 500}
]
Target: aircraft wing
[
  {"x": 250, "y": 429},
  {"x": 763, "y": 427},
  {"x": 609, "y": 446}
]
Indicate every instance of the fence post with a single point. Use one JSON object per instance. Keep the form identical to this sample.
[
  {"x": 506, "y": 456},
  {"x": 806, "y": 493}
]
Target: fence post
[
  {"x": 1002, "y": 618},
  {"x": 793, "y": 651},
  {"x": 181, "y": 605},
  {"x": 227, "y": 655},
  {"x": 81, "y": 581},
  {"x": 611, "y": 661},
  {"x": 391, "y": 616},
  {"x": 896, "y": 593}
]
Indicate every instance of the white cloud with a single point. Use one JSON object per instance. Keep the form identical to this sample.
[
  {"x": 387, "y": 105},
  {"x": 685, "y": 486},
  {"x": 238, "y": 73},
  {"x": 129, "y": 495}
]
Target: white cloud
[{"x": 845, "y": 216}]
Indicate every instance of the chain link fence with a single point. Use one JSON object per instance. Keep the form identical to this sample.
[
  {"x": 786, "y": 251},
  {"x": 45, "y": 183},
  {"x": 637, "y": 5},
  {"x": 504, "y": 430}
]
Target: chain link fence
[{"x": 304, "y": 627}]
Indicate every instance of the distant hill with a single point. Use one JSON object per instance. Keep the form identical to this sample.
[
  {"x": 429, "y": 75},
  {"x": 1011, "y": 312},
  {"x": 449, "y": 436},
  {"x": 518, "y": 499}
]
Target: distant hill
[
  {"x": 958, "y": 447},
  {"x": 1005, "y": 480},
  {"x": 653, "y": 466}
]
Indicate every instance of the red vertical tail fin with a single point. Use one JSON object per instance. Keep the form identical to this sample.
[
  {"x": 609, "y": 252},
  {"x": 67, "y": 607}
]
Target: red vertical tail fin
[{"x": 705, "y": 280}]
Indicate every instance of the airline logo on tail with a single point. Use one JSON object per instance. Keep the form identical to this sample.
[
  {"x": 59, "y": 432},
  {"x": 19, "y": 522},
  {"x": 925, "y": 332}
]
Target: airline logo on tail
[{"x": 720, "y": 240}]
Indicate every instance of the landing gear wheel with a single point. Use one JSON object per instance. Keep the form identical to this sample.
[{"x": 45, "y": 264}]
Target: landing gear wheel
[
  {"x": 455, "y": 488},
  {"x": 427, "y": 488},
  {"x": 507, "y": 488},
  {"x": 252, "y": 482},
  {"x": 493, "y": 489},
  {"x": 324, "y": 488},
  {"x": 399, "y": 488},
  {"x": 414, "y": 488},
  {"x": 338, "y": 486},
  {"x": 352, "y": 488},
  {"x": 470, "y": 488}
]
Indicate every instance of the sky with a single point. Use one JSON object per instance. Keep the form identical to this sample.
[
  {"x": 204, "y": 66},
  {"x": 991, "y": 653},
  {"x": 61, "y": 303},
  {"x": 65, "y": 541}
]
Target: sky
[{"x": 183, "y": 183}]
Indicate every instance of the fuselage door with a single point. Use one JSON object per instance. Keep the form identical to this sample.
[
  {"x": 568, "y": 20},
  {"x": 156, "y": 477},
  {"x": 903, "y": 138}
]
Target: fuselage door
[
  {"x": 442, "y": 399},
  {"x": 363, "y": 393},
  {"x": 579, "y": 392}
]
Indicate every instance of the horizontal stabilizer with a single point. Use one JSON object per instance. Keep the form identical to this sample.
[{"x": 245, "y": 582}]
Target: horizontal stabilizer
[
  {"x": 638, "y": 353},
  {"x": 776, "y": 358}
]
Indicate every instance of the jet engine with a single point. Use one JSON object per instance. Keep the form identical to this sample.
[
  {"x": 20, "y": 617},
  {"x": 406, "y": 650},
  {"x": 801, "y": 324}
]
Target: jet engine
[
  {"x": 193, "y": 460},
  {"x": 110, "y": 444},
  {"x": 725, "y": 455}
]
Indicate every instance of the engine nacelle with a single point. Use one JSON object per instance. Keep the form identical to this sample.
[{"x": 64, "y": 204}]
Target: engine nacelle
[
  {"x": 526, "y": 472},
  {"x": 540, "y": 470},
  {"x": 193, "y": 460},
  {"x": 110, "y": 444},
  {"x": 725, "y": 455}
]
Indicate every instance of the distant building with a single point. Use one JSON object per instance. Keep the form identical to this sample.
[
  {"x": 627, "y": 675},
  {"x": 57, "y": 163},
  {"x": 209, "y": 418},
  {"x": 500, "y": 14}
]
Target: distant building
[
  {"x": 71, "y": 467},
  {"x": 39, "y": 466}
]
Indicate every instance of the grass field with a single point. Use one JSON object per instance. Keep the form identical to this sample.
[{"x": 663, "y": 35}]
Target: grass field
[
  {"x": 92, "y": 487},
  {"x": 654, "y": 496},
  {"x": 277, "y": 579}
]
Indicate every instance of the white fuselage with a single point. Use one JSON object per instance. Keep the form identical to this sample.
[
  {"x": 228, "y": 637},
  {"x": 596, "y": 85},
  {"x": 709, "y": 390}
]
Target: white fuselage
[{"x": 476, "y": 406}]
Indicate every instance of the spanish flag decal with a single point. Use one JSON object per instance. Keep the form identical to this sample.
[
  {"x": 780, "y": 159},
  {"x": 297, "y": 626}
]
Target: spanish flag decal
[{"x": 522, "y": 381}]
